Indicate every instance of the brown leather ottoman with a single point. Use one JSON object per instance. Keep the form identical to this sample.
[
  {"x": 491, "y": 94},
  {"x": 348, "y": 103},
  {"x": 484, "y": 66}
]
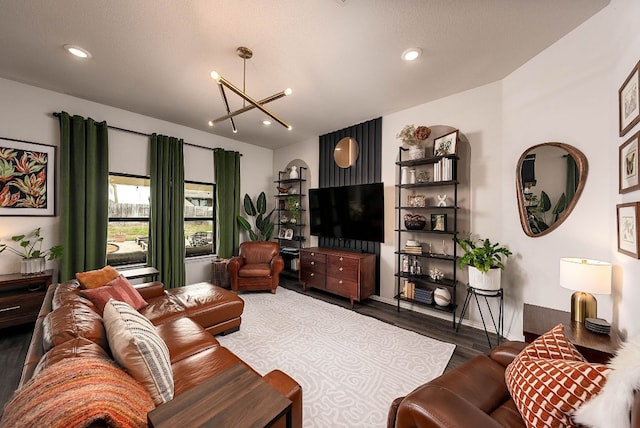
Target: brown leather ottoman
[{"x": 218, "y": 310}]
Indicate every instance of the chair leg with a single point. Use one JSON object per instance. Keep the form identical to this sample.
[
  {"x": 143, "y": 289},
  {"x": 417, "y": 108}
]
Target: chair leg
[{"x": 273, "y": 291}]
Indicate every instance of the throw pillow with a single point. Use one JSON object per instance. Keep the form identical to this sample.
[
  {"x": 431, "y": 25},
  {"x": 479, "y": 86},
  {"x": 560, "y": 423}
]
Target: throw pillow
[
  {"x": 136, "y": 346},
  {"x": 96, "y": 278},
  {"x": 546, "y": 391},
  {"x": 612, "y": 406},
  {"x": 79, "y": 392},
  {"x": 119, "y": 289},
  {"x": 553, "y": 345}
]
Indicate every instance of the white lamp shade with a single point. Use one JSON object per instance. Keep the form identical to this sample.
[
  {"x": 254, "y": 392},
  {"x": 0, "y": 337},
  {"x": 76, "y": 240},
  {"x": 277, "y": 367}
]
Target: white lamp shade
[{"x": 589, "y": 276}]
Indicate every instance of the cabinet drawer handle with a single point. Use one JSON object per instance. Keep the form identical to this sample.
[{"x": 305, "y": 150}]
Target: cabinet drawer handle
[
  {"x": 340, "y": 282},
  {"x": 341, "y": 269},
  {"x": 312, "y": 274},
  {"x": 10, "y": 308},
  {"x": 313, "y": 263},
  {"x": 313, "y": 254},
  {"x": 341, "y": 259}
]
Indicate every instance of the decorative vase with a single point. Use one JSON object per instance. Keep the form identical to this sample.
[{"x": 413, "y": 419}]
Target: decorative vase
[
  {"x": 32, "y": 266},
  {"x": 442, "y": 296},
  {"x": 489, "y": 281},
  {"x": 294, "y": 172},
  {"x": 416, "y": 152},
  {"x": 404, "y": 177},
  {"x": 412, "y": 176}
]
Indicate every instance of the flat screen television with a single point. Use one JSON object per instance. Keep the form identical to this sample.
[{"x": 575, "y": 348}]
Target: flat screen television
[{"x": 348, "y": 212}]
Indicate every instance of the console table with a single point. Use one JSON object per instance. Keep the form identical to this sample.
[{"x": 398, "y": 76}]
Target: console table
[
  {"x": 235, "y": 397},
  {"x": 345, "y": 273},
  {"x": 596, "y": 348},
  {"x": 21, "y": 297}
]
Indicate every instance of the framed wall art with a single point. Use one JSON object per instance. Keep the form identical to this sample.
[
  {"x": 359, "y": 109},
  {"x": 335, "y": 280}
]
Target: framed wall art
[
  {"x": 446, "y": 145},
  {"x": 629, "y": 101},
  {"x": 288, "y": 234},
  {"x": 628, "y": 179},
  {"x": 27, "y": 178},
  {"x": 439, "y": 222},
  {"x": 628, "y": 229}
]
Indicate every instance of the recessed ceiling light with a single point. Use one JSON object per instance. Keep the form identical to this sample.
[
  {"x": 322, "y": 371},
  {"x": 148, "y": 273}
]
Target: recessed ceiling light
[
  {"x": 266, "y": 122},
  {"x": 78, "y": 51},
  {"x": 411, "y": 54}
]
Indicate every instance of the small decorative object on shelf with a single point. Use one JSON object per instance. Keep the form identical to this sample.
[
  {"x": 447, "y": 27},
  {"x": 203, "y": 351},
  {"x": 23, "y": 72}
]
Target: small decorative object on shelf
[
  {"x": 414, "y": 137},
  {"x": 417, "y": 201},
  {"x": 436, "y": 274},
  {"x": 405, "y": 175},
  {"x": 414, "y": 221},
  {"x": 422, "y": 177},
  {"x": 293, "y": 174},
  {"x": 442, "y": 296},
  {"x": 439, "y": 222},
  {"x": 412, "y": 176},
  {"x": 283, "y": 190},
  {"x": 442, "y": 200}
]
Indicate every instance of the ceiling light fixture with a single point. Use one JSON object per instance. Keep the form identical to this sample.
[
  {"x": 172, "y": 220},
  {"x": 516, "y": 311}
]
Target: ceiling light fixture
[
  {"x": 245, "y": 54},
  {"x": 78, "y": 51},
  {"x": 411, "y": 54}
]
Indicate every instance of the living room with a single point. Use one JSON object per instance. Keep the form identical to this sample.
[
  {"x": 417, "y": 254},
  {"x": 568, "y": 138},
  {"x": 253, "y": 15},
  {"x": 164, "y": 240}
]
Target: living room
[{"x": 567, "y": 93}]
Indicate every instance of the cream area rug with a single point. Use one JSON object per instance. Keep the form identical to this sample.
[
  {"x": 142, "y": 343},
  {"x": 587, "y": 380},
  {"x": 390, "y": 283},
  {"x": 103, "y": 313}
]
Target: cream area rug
[{"x": 350, "y": 366}]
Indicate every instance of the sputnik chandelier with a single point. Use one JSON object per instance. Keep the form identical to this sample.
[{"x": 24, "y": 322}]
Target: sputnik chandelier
[{"x": 245, "y": 54}]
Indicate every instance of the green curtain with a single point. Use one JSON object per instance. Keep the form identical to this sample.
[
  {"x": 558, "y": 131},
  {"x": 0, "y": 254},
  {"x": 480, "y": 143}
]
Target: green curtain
[
  {"x": 572, "y": 178},
  {"x": 226, "y": 166},
  {"x": 84, "y": 180},
  {"x": 166, "y": 223}
]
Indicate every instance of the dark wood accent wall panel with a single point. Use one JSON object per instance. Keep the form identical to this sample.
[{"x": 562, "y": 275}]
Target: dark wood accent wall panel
[{"x": 368, "y": 169}]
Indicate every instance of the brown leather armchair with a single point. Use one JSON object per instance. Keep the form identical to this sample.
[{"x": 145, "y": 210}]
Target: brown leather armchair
[{"x": 256, "y": 267}]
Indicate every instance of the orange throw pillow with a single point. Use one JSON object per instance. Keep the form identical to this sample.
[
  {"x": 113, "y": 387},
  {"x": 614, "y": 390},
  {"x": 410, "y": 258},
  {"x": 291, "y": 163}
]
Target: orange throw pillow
[
  {"x": 119, "y": 289},
  {"x": 96, "y": 278},
  {"x": 553, "y": 345}
]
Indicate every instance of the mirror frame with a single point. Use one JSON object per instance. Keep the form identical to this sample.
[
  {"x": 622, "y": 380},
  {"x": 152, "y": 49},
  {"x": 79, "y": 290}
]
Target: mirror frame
[
  {"x": 583, "y": 169},
  {"x": 351, "y": 145}
]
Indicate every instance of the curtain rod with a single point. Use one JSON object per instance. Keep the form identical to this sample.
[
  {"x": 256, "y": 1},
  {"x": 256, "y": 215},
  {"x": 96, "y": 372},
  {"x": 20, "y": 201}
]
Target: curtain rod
[{"x": 144, "y": 134}]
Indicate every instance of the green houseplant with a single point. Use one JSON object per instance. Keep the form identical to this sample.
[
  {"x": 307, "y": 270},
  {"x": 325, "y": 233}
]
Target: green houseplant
[
  {"x": 29, "y": 248},
  {"x": 485, "y": 261},
  {"x": 262, "y": 227}
]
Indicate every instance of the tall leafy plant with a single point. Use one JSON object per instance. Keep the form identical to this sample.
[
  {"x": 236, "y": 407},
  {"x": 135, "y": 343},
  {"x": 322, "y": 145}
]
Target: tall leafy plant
[{"x": 262, "y": 226}]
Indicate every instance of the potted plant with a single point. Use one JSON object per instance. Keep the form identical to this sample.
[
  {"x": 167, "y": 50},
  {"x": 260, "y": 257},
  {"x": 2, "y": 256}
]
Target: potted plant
[
  {"x": 262, "y": 225},
  {"x": 293, "y": 206},
  {"x": 485, "y": 262},
  {"x": 30, "y": 249},
  {"x": 413, "y": 138}
]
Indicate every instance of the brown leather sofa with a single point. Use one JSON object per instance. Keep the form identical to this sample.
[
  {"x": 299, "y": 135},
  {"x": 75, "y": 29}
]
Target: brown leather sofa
[
  {"x": 472, "y": 395},
  {"x": 256, "y": 267},
  {"x": 185, "y": 319}
]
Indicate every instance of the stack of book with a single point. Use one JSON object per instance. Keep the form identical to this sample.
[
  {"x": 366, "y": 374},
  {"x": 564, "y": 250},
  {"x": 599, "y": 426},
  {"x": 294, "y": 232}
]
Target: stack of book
[
  {"x": 443, "y": 170},
  {"x": 413, "y": 247},
  {"x": 423, "y": 295}
]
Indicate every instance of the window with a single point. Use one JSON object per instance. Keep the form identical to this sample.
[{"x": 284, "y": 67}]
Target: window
[
  {"x": 199, "y": 224},
  {"x": 128, "y": 228}
]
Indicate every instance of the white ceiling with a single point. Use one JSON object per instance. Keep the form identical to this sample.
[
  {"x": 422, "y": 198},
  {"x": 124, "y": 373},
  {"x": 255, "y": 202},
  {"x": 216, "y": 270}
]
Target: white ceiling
[{"x": 340, "y": 57}]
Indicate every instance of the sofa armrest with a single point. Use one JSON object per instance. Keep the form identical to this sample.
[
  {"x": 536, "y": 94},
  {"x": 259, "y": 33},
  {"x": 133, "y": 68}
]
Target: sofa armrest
[
  {"x": 290, "y": 389},
  {"x": 234, "y": 265},
  {"x": 505, "y": 353},
  {"x": 435, "y": 406},
  {"x": 277, "y": 265},
  {"x": 150, "y": 289}
]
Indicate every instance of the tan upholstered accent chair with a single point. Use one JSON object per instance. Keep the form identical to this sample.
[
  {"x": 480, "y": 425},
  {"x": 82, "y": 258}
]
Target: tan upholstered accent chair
[{"x": 256, "y": 267}]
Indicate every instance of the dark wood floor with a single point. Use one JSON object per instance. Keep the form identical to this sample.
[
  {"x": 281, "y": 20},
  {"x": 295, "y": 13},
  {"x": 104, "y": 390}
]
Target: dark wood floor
[{"x": 469, "y": 342}]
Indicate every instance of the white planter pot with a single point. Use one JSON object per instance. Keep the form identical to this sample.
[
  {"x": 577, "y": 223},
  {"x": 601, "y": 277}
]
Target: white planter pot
[
  {"x": 416, "y": 152},
  {"x": 31, "y": 266},
  {"x": 489, "y": 281}
]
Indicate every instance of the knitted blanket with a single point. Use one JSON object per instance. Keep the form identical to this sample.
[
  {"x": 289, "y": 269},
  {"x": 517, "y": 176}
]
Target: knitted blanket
[{"x": 77, "y": 392}]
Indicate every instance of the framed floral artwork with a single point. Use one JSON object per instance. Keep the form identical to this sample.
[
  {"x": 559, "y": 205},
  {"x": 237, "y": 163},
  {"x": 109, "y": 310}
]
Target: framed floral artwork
[
  {"x": 628, "y": 179},
  {"x": 628, "y": 229},
  {"x": 629, "y": 101},
  {"x": 27, "y": 178},
  {"x": 446, "y": 145}
]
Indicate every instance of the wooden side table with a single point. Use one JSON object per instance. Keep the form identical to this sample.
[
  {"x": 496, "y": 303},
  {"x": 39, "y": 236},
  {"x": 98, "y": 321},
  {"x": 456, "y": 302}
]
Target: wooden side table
[
  {"x": 596, "y": 348},
  {"x": 235, "y": 397},
  {"x": 21, "y": 297}
]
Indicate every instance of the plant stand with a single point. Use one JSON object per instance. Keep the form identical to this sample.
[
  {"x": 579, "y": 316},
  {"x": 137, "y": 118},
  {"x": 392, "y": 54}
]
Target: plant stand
[{"x": 475, "y": 292}]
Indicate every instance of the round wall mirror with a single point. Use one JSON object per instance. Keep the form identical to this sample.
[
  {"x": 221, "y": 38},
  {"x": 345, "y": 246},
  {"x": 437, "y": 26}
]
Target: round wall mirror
[
  {"x": 549, "y": 180},
  {"x": 346, "y": 152}
]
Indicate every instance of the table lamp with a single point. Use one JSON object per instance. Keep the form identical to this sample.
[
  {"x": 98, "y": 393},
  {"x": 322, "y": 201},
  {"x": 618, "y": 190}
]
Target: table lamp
[{"x": 585, "y": 277}]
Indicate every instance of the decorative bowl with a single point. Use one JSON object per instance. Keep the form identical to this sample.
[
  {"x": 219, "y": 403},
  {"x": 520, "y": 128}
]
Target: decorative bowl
[{"x": 415, "y": 224}]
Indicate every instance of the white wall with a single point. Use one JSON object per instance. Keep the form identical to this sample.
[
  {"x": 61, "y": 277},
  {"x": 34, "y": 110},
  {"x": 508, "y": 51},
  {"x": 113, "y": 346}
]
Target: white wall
[
  {"x": 567, "y": 93},
  {"x": 26, "y": 115}
]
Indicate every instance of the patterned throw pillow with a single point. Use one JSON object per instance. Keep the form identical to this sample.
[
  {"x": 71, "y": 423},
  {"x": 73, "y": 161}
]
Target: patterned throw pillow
[
  {"x": 136, "y": 346},
  {"x": 119, "y": 289},
  {"x": 550, "y": 379},
  {"x": 96, "y": 278}
]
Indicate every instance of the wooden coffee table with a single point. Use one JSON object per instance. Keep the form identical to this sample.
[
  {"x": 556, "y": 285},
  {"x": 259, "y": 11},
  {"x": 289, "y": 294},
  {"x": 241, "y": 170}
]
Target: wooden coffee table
[
  {"x": 236, "y": 397},
  {"x": 596, "y": 348}
]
